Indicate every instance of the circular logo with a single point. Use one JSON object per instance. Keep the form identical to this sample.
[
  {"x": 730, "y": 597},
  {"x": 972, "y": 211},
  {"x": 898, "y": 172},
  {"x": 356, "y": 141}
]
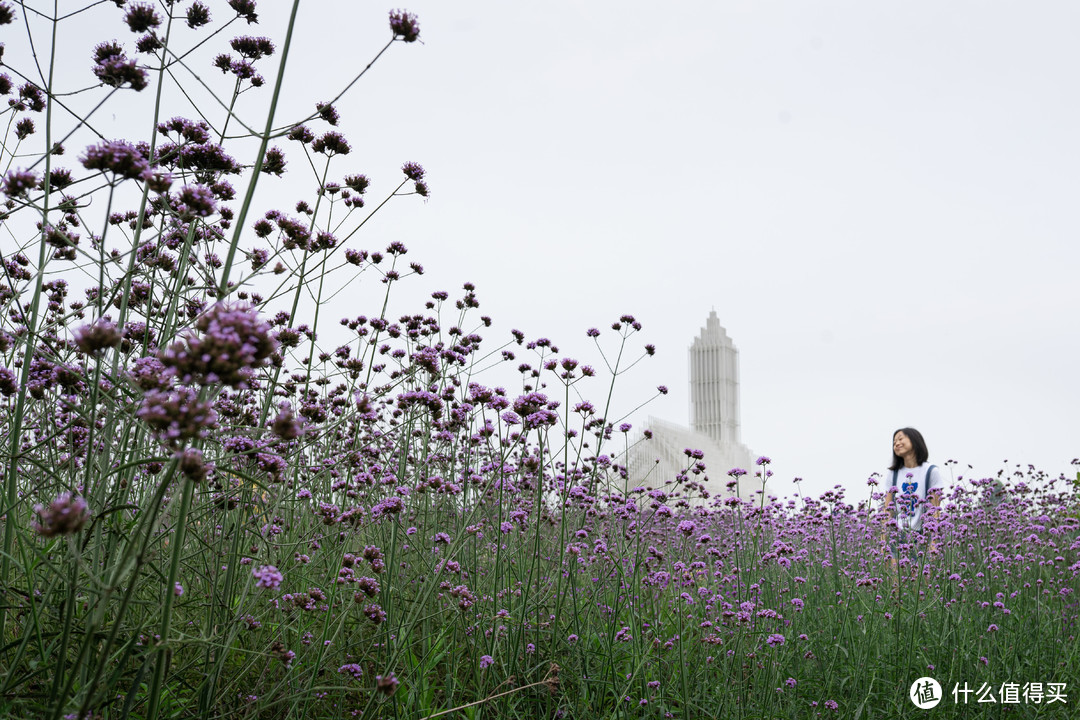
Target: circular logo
[{"x": 925, "y": 693}]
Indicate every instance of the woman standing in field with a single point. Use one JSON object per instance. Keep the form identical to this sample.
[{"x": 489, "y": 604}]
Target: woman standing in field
[{"x": 911, "y": 482}]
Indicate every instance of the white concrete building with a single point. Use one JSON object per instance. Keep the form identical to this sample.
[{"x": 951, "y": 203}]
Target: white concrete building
[{"x": 714, "y": 425}]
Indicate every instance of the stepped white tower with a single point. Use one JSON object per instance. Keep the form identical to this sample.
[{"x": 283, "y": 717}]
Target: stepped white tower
[
  {"x": 714, "y": 384},
  {"x": 714, "y": 424}
]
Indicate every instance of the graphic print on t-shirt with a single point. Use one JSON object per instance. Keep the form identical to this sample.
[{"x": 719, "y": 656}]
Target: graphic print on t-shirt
[{"x": 910, "y": 489}]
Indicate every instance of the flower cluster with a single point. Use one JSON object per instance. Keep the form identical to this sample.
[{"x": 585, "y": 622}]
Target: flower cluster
[
  {"x": 404, "y": 25},
  {"x": 268, "y": 577},
  {"x": 97, "y": 336},
  {"x": 177, "y": 415},
  {"x": 65, "y": 515},
  {"x": 114, "y": 68},
  {"x": 119, "y": 157},
  {"x": 230, "y": 344}
]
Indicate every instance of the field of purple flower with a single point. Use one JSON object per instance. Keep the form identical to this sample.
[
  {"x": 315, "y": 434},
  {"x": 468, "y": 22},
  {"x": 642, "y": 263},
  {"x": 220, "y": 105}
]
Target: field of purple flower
[{"x": 211, "y": 511}]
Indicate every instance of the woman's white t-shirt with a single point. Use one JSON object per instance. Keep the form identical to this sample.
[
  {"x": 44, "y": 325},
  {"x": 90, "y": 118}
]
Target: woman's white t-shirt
[{"x": 912, "y": 485}]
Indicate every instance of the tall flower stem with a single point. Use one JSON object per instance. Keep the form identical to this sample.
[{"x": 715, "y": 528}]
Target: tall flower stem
[{"x": 31, "y": 331}]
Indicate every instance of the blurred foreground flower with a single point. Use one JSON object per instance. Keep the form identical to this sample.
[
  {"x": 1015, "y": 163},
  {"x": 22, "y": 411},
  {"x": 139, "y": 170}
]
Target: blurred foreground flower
[
  {"x": 65, "y": 515},
  {"x": 97, "y": 336},
  {"x": 386, "y": 684}
]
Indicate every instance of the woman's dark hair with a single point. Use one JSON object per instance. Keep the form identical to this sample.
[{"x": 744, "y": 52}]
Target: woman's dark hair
[{"x": 917, "y": 444}]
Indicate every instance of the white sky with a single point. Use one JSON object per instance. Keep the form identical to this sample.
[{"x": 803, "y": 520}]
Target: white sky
[{"x": 879, "y": 200}]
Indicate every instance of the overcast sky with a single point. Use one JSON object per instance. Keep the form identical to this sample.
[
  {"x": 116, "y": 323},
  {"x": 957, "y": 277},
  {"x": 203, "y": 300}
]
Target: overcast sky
[{"x": 878, "y": 199}]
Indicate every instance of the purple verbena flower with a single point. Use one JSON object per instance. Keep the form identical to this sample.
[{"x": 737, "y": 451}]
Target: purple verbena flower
[
  {"x": 268, "y": 577},
  {"x": 374, "y": 613},
  {"x": 141, "y": 17},
  {"x": 19, "y": 183},
  {"x": 177, "y": 415},
  {"x": 8, "y": 382},
  {"x": 274, "y": 163},
  {"x": 358, "y": 183},
  {"x": 197, "y": 15},
  {"x": 118, "y": 157},
  {"x": 192, "y": 465},
  {"x": 331, "y": 143},
  {"x": 245, "y": 9},
  {"x": 286, "y": 425},
  {"x": 285, "y": 656},
  {"x": 32, "y": 97},
  {"x": 232, "y": 341},
  {"x": 115, "y": 69},
  {"x": 65, "y": 515},
  {"x": 97, "y": 336},
  {"x": 368, "y": 586},
  {"x": 301, "y": 133},
  {"x": 327, "y": 112},
  {"x": 196, "y": 201},
  {"x": 252, "y": 48},
  {"x": 352, "y": 669},
  {"x": 535, "y": 410},
  {"x": 149, "y": 374},
  {"x": 24, "y": 128},
  {"x": 404, "y": 25}
]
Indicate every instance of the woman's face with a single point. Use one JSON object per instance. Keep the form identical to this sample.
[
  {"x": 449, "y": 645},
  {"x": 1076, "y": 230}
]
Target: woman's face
[{"x": 901, "y": 444}]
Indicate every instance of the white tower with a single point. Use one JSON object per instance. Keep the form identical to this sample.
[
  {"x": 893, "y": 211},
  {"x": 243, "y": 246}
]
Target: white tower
[
  {"x": 714, "y": 424},
  {"x": 714, "y": 384}
]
